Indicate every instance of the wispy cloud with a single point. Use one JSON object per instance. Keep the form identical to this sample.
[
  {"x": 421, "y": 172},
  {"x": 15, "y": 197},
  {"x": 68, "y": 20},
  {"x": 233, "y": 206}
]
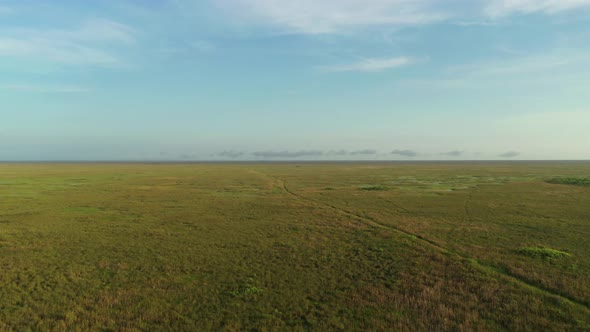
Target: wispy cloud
[
  {"x": 56, "y": 51},
  {"x": 188, "y": 156},
  {"x": 523, "y": 64},
  {"x": 336, "y": 16},
  {"x": 298, "y": 153},
  {"x": 405, "y": 153},
  {"x": 86, "y": 45},
  {"x": 469, "y": 22},
  {"x": 455, "y": 153},
  {"x": 47, "y": 89},
  {"x": 337, "y": 152},
  {"x": 365, "y": 152},
  {"x": 372, "y": 65},
  {"x": 330, "y": 16},
  {"x": 510, "y": 154},
  {"x": 288, "y": 154},
  {"x": 498, "y": 8},
  {"x": 93, "y": 30},
  {"x": 230, "y": 154}
]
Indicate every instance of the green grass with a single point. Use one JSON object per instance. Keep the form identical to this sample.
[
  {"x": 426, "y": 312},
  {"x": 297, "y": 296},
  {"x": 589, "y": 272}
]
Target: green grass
[
  {"x": 83, "y": 209},
  {"x": 540, "y": 252},
  {"x": 268, "y": 247},
  {"x": 249, "y": 290},
  {"x": 373, "y": 188},
  {"x": 574, "y": 181}
]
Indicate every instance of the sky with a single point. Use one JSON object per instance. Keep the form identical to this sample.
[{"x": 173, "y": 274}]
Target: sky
[{"x": 302, "y": 80}]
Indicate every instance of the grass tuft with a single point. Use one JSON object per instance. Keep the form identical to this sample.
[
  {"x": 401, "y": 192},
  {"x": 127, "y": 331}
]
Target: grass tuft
[
  {"x": 541, "y": 252},
  {"x": 374, "y": 188},
  {"x": 249, "y": 290}
]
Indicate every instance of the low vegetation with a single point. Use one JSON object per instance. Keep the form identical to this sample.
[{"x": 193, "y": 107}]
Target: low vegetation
[
  {"x": 540, "y": 252},
  {"x": 374, "y": 188},
  {"x": 97, "y": 247},
  {"x": 574, "y": 181}
]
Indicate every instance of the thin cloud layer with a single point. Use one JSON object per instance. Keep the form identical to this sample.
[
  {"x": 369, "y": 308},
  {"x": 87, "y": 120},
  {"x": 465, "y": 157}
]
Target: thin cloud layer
[
  {"x": 188, "y": 156},
  {"x": 90, "y": 44},
  {"x": 230, "y": 154},
  {"x": 434, "y": 62},
  {"x": 329, "y": 16},
  {"x": 455, "y": 153},
  {"x": 498, "y": 8},
  {"x": 314, "y": 153},
  {"x": 336, "y": 16},
  {"x": 372, "y": 65},
  {"x": 288, "y": 154},
  {"x": 510, "y": 154},
  {"x": 405, "y": 153},
  {"x": 522, "y": 65},
  {"x": 337, "y": 153},
  {"x": 365, "y": 152}
]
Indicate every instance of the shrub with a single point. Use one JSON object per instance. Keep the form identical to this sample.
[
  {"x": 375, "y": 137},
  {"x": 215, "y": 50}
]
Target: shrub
[
  {"x": 541, "y": 252},
  {"x": 374, "y": 188},
  {"x": 571, "y": 181}
]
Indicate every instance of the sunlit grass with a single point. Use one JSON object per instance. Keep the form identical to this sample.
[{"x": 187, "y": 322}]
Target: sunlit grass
[
  {"x": 574, "y": 181},
  {"x": 540, "y": 252},
  {"x": 226, "y": 247}
]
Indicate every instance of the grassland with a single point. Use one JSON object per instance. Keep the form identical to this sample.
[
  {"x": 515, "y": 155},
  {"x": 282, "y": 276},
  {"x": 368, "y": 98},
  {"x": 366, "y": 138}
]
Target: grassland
[
  {"x": 135, "y": 247},
  {"x": 571, "y": 181}
]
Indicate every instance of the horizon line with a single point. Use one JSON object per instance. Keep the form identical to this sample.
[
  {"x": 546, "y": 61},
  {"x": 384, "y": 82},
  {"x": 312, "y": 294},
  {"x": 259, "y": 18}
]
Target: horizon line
[{"x": 148, "y": 161}]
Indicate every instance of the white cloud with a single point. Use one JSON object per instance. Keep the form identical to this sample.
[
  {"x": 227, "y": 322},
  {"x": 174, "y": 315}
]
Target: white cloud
[
  {"x": 62, "y": 52},
  {"x": 101, "y": 30},
  {"x": 373, "y": 65},
  {"x": 328, "y": 16},
  {"x": 91, "y": 31},
  {"x": 498, "y": 8},
  {"x": 333, "y": 16},
  {"x": 87, "y": 45},
  {"x": 519, "y": 65}
]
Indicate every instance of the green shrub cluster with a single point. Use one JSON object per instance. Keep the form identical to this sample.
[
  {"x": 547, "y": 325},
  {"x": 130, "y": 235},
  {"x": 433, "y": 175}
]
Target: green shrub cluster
[
  {"x": 374, "y": 188},
  {"x": 571, "y": 181},
  {"x": 540, "y": 252}
]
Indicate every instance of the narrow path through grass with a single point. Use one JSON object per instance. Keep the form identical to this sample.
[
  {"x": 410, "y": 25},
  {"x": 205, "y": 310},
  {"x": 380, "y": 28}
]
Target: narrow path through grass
[{"x": 432, "y": 244}]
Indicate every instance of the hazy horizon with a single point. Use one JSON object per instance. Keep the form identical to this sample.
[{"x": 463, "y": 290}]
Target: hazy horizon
[{"x": 243, "y": 80}]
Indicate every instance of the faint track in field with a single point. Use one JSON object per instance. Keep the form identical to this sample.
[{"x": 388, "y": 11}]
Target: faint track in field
[
  {"x": 467, "y": 204},
  {"x": 346, "y": 203},
  {"x": 489, "y": 268},
  {"x": 397, "y": 206},
  {"x": 467, "y": 219}
]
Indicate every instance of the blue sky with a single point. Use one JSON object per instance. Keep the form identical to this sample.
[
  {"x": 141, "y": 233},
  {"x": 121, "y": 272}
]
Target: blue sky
[{"x": 308, "y": 79}]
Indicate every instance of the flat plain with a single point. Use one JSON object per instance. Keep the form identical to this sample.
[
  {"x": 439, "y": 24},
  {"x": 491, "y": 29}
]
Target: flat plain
[{"x": 295, "y": 246}]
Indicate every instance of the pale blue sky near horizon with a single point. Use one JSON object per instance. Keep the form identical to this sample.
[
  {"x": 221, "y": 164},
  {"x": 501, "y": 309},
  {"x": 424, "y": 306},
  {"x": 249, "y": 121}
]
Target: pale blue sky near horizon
[{"x": 278, "y": 79}]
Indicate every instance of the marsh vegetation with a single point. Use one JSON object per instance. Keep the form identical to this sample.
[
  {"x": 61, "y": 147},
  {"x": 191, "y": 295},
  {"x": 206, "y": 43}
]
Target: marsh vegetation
[
  {"x": 279, "y": 247},
  {"x": 574, "y": 181}
]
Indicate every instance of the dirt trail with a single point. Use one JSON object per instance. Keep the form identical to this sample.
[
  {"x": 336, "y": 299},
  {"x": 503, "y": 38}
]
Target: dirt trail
[{"x": 432, "y": 244}]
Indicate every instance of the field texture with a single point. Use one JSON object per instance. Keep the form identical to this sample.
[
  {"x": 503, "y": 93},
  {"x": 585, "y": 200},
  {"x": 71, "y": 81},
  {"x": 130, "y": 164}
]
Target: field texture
[{"x": 163, "y": 247}]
